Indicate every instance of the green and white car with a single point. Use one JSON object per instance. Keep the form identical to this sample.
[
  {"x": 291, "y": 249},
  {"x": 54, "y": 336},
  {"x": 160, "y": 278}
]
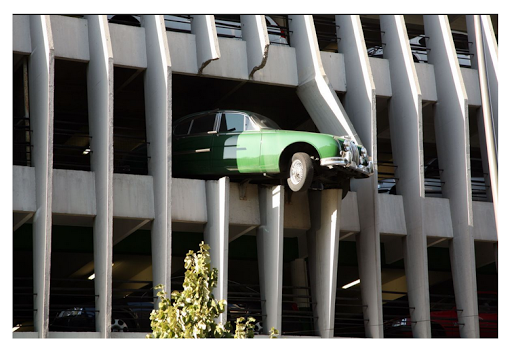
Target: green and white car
[{"x": 247, "y": 145}]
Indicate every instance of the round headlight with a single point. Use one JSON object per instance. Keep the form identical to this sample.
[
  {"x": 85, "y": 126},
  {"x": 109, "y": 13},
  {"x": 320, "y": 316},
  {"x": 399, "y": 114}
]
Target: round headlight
[{"x": 346, "y": 145}]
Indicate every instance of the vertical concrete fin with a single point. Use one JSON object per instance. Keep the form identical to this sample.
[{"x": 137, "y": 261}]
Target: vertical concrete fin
[
  {"x": 157, "y": 96},
  {"x": 314, "y": 89},
  {"x": 486, "y": 62},
  {"x": 452, "y": 138},
  {"x": 270, "y": 255},
  {"x": 100, "y": 93},
  {"x": 323, "y": 244},
  {"x": 405, "y": 120},
  {"x": 41, "y": 88},
  {"x": 255, "y": 34},
  {"x": 360, "y": 103},
  {"x": 216, "y": 234},
  {"x": 207, "y": 43}
]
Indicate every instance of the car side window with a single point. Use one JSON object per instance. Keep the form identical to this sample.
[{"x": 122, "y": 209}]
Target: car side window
[
  {"x": 232, "y": 122},
  {"x": 203, "y": 124},
  {"x": 182, "y": 128}
]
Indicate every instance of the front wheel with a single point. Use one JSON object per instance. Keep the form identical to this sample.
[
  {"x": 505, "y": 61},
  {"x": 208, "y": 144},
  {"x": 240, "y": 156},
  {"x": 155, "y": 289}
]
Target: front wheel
[{"x": 300, "y": 172}]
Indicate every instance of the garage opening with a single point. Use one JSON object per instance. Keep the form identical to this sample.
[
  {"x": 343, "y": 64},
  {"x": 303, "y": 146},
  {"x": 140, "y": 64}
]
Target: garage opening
[
  {"x": 22, "y": 133},
  {"x": 395, "y": 300},
  {"x": 71, "y": 138},
  {"x": 386, "y": 167},
  {"x": 72, "y": 295},
  {"x": 326, "y": 32},
  {"x": 132, "y": 283},
  {"x": 432, "y": 172},
  {"x": 480, "y": 181},
  {"x": 130, "y": 143},
  {"x": 372, "y": 35},
  {"x": 22, "y": 280},
  {"x": 348, "y": 318}
]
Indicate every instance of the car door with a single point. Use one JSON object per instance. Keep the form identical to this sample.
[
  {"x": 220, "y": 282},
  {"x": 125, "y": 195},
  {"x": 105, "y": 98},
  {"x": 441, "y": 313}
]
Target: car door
[
  {"x": 192, "y": 151},
  {"x": 236, "y": 147}
]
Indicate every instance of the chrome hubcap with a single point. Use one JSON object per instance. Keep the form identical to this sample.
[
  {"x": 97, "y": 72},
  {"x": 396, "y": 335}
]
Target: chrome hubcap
[{"x": 296, "y": 172}]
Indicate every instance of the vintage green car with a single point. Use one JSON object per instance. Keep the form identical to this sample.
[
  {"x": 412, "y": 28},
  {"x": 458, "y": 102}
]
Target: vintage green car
[{"x": 247, "y": 145}]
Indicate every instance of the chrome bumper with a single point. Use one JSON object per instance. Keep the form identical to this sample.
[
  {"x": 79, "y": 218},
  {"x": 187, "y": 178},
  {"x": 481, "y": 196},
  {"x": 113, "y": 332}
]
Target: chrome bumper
[{"x": 342, "y": 162}]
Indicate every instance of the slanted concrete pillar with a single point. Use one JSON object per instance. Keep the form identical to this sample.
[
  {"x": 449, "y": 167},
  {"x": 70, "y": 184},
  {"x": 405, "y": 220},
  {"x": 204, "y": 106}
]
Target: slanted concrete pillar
[
  {"x": 216, "y": 234},
  {"x": 323, "y": 244},
  {"x": 485, "y": 60},
  {"x": 100, "y": 95},
  {"x": 158, "y": 95},
  {"x": 314, "y": 90},
  {"x": 255, "y": 34},
  {"x": 207, "y": 43},
  {"x": 452, "y": 138},
  {"x": 405, "y": 121},
  {"x": 270, "y": 255},
  {"x": 360, "y": 104},
  {"x": 41, "y": 90}
]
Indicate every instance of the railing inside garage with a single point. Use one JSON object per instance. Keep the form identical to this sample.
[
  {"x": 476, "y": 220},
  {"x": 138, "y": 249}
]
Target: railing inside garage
[
  {"x": 23, "y": 304},
  {"x": 326, "y": 34},
  {"x": 132, "y": 305}
]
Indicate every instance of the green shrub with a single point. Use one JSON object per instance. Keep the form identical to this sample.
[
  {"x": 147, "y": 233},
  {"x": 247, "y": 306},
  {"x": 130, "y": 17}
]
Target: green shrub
[{"x": 191, "y": 313}]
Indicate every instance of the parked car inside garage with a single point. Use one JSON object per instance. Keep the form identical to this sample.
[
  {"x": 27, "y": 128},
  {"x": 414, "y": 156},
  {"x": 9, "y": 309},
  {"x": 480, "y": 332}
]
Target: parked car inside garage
[{"x": 247, "y": 145}]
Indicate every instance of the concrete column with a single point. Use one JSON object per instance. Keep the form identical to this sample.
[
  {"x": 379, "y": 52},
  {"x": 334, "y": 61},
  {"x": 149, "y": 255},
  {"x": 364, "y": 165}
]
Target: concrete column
[
  {"x": 314, "y": 89},
  {"x": 270, "y": 255},
  {"x": 207, "y": 43},
  {"x": 216, "y": 234},
  {"x": 360, "y": 104},
  {"x": 100, "y": 95},
  {"x": 323, "y": 244},
  {"x": 41, "y": 90},
  {"x": 452, "y": 138},
  {"x": 490, "y": 48},
  {"x": 485, "y": 60},
  {"x": 158, "y": 97},
  {"x": 405, "y": 121},
  {"x": 255, "y": 34}
]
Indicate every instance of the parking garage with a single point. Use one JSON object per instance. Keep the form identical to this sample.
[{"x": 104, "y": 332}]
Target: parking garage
[{"x": 228, "y": 81}]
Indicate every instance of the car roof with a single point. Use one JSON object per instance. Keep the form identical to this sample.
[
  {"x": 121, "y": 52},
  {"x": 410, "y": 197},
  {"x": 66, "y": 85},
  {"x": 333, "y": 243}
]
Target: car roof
[{"x": 195, "y": 114}]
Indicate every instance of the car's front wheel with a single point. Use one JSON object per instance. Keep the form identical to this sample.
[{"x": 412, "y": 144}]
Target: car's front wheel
[{"x": 300, "y": 172}]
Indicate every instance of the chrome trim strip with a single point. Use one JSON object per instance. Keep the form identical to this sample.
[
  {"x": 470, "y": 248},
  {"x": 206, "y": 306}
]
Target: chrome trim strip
[
  {"x": 343, "y": 162},
  {"x": 202, "y": 150}
]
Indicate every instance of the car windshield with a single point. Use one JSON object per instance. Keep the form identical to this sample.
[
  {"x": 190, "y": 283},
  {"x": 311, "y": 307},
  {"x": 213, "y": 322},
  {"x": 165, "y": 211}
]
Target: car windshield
[{"x": 264, "y": 122}]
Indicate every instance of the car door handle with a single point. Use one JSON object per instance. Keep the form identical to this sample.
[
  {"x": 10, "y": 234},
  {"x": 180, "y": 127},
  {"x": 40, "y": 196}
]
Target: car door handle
[{"x": 212, "y": 132}]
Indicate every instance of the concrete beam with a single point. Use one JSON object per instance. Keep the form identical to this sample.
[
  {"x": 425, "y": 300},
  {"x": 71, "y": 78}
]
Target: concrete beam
[
  {"x": 255, "y": 34},
  {"x": 100, "y": 91},
  {"x": 128, "y": 45},
  {"x": 207, "y": 43},
  {"x": 360, "y": 104},
  {"x": 323, "y": 244},
  {"x": 41, "y": 89},
  {"x": 314, "y": 89},
  {"x": 405, "y": 121},
  {"x": 70, "y": 37},
  {"x": 452, "y": 138},
  {"x": 270, "y": 255},
  {"x": 24, "y": 189},
  {"x": 157, "y": 98},
  {"x": 123, "y": 227},
  {"x": 216, "y": 234},
  {"x": 20, "y": 218}
]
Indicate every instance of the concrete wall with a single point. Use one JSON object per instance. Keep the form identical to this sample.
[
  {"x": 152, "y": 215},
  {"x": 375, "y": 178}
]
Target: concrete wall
[
  {"x": 70, "y": 37},
  {"x": 21, "y": 34},
  {"x": 74, "y": 192}
]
